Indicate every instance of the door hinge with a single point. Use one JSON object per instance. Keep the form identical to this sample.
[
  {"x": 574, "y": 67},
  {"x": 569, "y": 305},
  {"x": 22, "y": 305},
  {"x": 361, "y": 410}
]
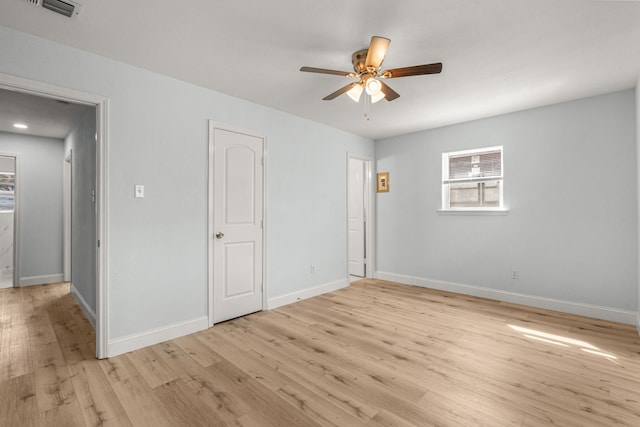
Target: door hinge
[{"x": 98, "y": 243}]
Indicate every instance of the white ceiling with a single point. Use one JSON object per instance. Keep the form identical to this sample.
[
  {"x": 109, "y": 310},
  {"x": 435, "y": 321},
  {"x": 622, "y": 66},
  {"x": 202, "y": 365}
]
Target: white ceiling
[
  {"x": 499, "y": 55},
  {"x": 43, "y": 116}
]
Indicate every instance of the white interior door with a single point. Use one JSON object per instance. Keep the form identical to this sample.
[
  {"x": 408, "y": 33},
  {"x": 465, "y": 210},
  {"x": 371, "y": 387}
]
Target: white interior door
[
  {"x": 356, "y": 214},
  {"x": 237, "y": 232},
  {"x": 7, "y": 221}
]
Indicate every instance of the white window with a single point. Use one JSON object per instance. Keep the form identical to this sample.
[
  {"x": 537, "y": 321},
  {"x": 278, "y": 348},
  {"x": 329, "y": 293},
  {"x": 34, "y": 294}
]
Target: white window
[{"x": 472, "y": 179}]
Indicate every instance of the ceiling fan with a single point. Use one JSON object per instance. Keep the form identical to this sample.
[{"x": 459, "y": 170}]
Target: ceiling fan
[{"x": 366, "y": 66}]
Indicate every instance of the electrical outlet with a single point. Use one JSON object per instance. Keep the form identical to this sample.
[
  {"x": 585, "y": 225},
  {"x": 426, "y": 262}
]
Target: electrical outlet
[
  {"x": 515, "y": 274},
  {"x": 313, "y": 269}
]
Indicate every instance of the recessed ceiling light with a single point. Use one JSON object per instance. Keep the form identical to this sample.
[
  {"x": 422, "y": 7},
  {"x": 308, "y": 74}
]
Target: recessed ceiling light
[{"x": 20, "y": 126}]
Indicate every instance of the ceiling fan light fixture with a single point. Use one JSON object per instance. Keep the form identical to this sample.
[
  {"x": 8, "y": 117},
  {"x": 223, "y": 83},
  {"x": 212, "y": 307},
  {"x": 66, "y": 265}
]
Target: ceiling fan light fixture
[
  {"x": 373, "y": 86},
  {"x": 355, "y": 92},
  {"x": 367, "y": 68},
  {"x": 377, "y": 97}
]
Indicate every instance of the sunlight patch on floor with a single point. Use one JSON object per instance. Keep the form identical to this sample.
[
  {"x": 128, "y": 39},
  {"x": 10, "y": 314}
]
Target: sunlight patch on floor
[{"x": 561, "y": 341}]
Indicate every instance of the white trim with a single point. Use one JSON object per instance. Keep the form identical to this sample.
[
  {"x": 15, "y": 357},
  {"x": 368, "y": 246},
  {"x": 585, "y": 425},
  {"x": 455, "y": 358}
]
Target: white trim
[
  {"x": 19, "y": 84},
  {"x": 296, "y": 296},
  {"x": 473, "y": 212},
  {"x": 155, "y": 336},
  {"x": 210, "y": 230},
  {"x": 370, "y": 263},
  {"x": 86, "y": 308},
  {"x": 41, "y": 280},
  {"x": 638, "y": 321},
  {"x": 582, "y": 309},
  {"x": 67, "y": 178},
  {"x": 210, "y": 209},
  {"x": 102, "y": 224},
  {"x": 264, "y": 222}
]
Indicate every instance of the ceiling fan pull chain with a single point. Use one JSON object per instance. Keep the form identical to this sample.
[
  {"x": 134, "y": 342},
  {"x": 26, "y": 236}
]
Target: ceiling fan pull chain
[{"x": 366, "y": 106}]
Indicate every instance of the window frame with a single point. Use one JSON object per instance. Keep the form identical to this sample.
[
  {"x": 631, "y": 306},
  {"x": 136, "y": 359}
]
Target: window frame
[{"x": 446, "y": 181}]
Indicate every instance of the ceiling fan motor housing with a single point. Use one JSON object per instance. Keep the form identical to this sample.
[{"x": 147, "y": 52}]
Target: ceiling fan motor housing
[{"x": 358, "y": 59}]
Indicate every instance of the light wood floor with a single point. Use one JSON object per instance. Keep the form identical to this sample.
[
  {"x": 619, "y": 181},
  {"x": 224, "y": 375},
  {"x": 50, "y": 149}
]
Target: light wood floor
[{"x": 374, "y": 354}]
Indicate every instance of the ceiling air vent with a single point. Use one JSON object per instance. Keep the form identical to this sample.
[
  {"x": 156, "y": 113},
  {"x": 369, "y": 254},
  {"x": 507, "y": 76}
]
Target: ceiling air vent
[{"x": 66, "y": 7}]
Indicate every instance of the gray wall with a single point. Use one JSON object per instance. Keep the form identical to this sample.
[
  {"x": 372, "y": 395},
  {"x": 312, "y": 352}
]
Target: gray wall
[
  {"x": 39, "y": 188},
  {"x": 82, "y": 142},
  {"x": 157, "y": 250},
  {"x": 571, "y": 190}
]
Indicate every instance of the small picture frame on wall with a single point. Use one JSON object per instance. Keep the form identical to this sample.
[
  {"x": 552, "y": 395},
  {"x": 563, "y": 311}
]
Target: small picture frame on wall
[{"x": 383, "y": 182}]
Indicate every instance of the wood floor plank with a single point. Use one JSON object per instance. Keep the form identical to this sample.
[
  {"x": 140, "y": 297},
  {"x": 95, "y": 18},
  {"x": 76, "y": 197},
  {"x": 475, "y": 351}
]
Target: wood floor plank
[
  {"x": 15, "y": 352},
  {"x": 53, "y": 387},
  {"x": 374, "y": 354},
  {"x": 118, "y": 368},
  {"x": 186, "y": 408},
  {"x": 226, "y": 405},
  {"x": 98, "y": 402},
  {"x": 153, "y": 368},
  {"x": 385, "y": 418},
  {"x": 68, "y": 415},
  {"x": 142, "y": 405},
  {"x": 272, "y": 409},
  {"x": 197, "y": 350},
  {"x": 18, "y": 405}
]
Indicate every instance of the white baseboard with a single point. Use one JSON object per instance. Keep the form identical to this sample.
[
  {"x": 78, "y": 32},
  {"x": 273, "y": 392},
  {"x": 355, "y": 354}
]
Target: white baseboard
[
  {"x": 41, "y": 280},
  {"x": 147, "y": 338},
  {"x": 276, "y": 302},
  {"x": 638, "y": 320},
  {"x": 598, "y": 312},
  {"x": 86, "y": 308}
]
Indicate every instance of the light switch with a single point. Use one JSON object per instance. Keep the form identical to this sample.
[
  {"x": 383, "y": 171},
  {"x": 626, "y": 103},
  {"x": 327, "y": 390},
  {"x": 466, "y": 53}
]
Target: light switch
[{"x": 139, "y": 191}]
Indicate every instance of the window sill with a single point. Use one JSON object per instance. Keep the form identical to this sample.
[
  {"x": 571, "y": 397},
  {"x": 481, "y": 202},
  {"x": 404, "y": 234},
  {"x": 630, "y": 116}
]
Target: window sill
[{"x": 473, "y": 212}]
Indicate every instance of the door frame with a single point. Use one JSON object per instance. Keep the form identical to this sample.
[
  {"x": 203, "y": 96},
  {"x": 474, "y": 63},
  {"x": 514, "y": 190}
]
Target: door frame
[
  {"x": 369, "y": 230},
  {"x": 213, "y": 125},
  {"x": 46, "y": 90},
  {"x": 67, "y": 192}
]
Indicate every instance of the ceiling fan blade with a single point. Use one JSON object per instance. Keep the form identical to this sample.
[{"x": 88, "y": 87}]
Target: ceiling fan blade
[
  {"x": 389, "y": 93},
  {"x": 325, "y": 71},
  {"x": 377, "y": 50},
  {"x": 413, "y": 71},
  {"x": 339, "y": 92}
]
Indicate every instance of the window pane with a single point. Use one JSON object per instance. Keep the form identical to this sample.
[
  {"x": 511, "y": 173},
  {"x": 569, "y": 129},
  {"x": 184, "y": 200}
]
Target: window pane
[
  {"x": 464, "y": 194},
  {"x": 491, "y": 194},
  {"x": 475, "y": 165},
  {"x": 474, "y": 194}
]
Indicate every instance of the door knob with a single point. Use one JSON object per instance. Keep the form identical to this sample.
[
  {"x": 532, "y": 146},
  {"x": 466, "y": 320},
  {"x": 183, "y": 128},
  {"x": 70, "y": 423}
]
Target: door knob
[{"x": 219, "y": 235}]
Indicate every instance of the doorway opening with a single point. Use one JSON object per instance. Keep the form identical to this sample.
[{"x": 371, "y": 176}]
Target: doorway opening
[{"x": 98, "y": 108}]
